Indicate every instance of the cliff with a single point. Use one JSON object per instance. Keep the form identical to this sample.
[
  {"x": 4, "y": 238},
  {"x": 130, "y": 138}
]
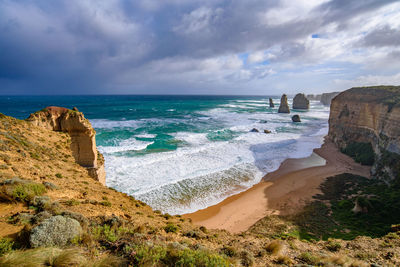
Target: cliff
[
  {"x": 326, "y": 98},
  {"x": 369, "y": 115},
  {"x": 83, "y": 136}
]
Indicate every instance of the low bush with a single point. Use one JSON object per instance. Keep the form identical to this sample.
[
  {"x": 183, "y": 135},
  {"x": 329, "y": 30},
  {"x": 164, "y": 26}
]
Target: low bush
[
  {"x": 274, "y": 247},
  {"x": 360, "y": 152},
  {"x": 6, "y": 245},
  {"x": 171, "y": 228},
  {"x": 20, "y": 190}
]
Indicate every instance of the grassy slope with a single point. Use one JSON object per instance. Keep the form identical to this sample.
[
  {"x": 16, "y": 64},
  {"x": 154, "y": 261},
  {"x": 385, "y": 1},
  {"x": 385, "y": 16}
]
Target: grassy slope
[{"x": 139, "y": 235}]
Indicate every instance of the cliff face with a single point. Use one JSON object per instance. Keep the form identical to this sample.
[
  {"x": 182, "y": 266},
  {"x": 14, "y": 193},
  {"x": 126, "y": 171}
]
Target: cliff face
[
  {"x": 83, "y": 141},
  {"x": 369, "y": 115},
  {"x": 326, "y": 98}
]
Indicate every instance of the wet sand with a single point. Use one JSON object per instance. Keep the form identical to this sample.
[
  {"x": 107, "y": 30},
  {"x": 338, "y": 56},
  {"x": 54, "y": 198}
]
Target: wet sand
[{"x": 284, "y": 191}]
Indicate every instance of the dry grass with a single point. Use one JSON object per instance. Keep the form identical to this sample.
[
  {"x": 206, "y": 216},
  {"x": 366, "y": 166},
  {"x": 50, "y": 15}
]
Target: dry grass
[{"x": 274, "y": 247}]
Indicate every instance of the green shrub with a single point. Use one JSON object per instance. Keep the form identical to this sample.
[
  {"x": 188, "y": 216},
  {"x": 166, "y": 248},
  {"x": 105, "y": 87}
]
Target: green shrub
[
  {"x": 360, "y": 152},
  {"x": 106, "y": 203},
  {"x": 333, "y": 246},
  {"x": 147, "y": 255},
  {"x": 171, "y": 228},
  {"x": 20, "y": 190},
  {"x": 308, "y": 258},
  {"x": 6, "y": 245},
  {"x": 59, "y": 175}
]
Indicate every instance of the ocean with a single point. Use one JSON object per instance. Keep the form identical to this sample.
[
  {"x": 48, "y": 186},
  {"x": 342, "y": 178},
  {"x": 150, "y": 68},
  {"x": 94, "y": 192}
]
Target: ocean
[{"x": 180, "y": 154}]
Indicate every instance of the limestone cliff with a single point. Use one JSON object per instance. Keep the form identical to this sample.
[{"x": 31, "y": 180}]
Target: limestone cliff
[
  {"x": 83, "y": 140},
  {"x": 326, "y": 98},
  {"x": 369, "y": 115}
]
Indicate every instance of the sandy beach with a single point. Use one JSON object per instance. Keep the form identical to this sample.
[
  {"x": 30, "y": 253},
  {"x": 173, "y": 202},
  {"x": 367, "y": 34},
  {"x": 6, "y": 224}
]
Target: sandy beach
[{"x": 284, "y": 191}]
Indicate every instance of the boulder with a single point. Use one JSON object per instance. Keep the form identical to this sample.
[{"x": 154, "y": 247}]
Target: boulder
[
  {"x": 284, "y": 106},
  {"x": 271, "y": 103},
  {"x": 254, "y": 130},
  {"x": 267, "y": 131},
  {"x": 55, "y": 231},
  {"x": 296, "y": 118},
  {"x": 300, "y": 101}
]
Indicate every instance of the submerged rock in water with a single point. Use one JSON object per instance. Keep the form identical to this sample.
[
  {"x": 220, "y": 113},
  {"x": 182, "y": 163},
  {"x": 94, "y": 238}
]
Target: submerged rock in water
[
  {"x": 300, "y": 101},
  {"x": 254, "y": 130},
  {"x": 267, "y": 131},
  {"x": 296, "y": 118},
  {"x": 271, "y": 103},
  {"x": 284, "y": 106}
]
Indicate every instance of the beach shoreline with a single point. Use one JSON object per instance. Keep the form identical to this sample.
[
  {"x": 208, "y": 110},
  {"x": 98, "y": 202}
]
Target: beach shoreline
[{"x": 284, "y": 191}]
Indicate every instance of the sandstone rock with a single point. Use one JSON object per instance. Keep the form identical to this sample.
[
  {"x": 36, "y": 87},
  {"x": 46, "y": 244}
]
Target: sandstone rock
[
  {"x": 254, "y": 130},
  {"x": 284, "y": 107},
  {"x": 300, "y": 101},
  {"x": 326, "y": 98},
  {"x": 55, "y": 231},
  {"x": 271, "y": 103},
  {"x": 83, "y": 142},
  {"x": 296, "y": 118},
  {"x": 267, "y": 131},
  {"x": 314, "y": 97}
]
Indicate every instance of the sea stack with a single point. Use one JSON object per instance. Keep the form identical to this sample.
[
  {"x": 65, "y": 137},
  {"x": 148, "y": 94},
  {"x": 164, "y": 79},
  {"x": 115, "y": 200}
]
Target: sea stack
[
  {"x": 83, "y": 141},
  {"x": 271, "y": 103},
  {"x": 284, "y": 106},
  {"x": 300, "y": 101}
]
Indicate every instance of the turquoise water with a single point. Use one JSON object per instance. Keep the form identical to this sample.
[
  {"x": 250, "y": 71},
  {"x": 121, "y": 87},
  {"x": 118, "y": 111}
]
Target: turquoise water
[{"x": 184, "y": 153}]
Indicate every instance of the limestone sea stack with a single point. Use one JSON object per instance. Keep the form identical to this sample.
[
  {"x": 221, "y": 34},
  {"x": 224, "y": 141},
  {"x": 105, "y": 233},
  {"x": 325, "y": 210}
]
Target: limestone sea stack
[
  {"x": 284, "y": 106},
  {"x": 300, "y": 101},
  {"x": 271, "y": 103},
  {"x": 83, "y": 141},
  {"x": 369, "y": 116}
]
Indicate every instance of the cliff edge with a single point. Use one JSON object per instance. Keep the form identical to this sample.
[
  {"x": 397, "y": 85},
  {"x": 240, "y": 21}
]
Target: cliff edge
[
  {"x": 83, "y": 136},
  {"x": 369, "y": 115}
]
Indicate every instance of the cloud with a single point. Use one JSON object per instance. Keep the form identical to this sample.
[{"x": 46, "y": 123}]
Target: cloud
[{"x": 116, "y": 46}]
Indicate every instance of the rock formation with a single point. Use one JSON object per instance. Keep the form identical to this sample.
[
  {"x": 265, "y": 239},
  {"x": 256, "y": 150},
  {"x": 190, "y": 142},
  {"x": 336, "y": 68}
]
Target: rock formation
[
  {"x": 83, "y": 141},
  {"x": 369, "y": 115},
  {"x": 326, "y": 98},
  {"x": 254, "y": 130},
  {"x": 284, "y": 106},
  {"x": 300, "y": 101},
  {"x": 296, "y": 118},
  {"x": 314, "y": 97},
  {"x": 271, "y": 103},
  {"x": 267, "y": 131}
]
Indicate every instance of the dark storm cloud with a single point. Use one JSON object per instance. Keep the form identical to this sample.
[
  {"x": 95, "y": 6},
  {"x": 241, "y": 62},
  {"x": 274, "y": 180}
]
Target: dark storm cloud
[
  {"x": 84, "y": 46},
  {"x": 385, "y": 36}
]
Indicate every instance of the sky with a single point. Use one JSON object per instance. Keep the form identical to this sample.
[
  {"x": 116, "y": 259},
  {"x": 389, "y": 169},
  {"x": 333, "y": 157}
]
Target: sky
[{"x": 252, "y": 47}]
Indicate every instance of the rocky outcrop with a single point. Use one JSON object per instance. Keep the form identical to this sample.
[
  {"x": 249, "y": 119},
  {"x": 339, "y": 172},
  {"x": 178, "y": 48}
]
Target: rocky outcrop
[
  {"x": 369, "y": 115},
  {"x": 326, "y": 98},
  {"x": 271, "y": 103},
  {"x": 296, "y": 118},
  {"x": 55, "y": 231},
  {"x": 284, "y": 106},
  {"x": 300, "y": 101},
  {"x": 83, "y": 141}
]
